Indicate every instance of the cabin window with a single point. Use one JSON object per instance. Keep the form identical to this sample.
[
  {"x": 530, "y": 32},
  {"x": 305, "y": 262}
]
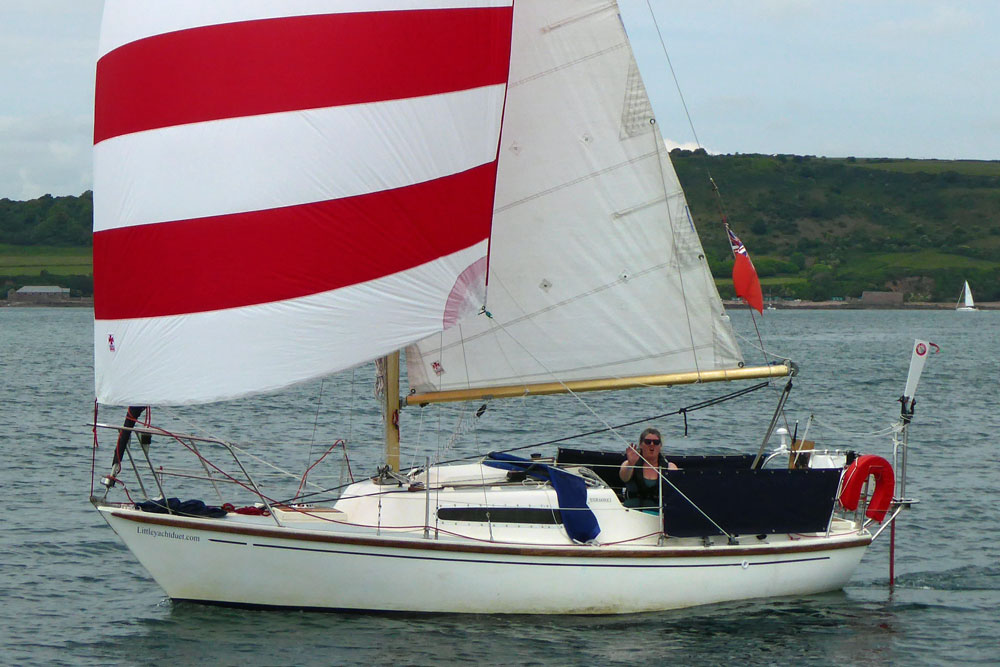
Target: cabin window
[{"x": 501, "y": 514}]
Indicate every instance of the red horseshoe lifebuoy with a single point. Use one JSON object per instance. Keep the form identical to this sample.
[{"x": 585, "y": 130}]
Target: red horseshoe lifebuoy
[{"x": 856, "y": 476}]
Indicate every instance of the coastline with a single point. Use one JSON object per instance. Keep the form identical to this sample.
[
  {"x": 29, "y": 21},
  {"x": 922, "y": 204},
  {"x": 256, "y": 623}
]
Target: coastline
[
  {"x": 88, "y": 302},
  {"x": 858, "y": 305},
  {"x": 72, "y": 302}
]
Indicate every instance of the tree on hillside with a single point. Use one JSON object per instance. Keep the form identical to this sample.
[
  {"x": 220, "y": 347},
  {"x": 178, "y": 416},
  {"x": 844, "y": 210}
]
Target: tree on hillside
[{"x": 48, "y": 220}]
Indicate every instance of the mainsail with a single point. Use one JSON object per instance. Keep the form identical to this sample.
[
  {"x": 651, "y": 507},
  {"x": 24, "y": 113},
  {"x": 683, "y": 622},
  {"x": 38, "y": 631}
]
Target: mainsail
[
  {"x": 286, "y": 189},
  {"x": 595, "y": 268}
]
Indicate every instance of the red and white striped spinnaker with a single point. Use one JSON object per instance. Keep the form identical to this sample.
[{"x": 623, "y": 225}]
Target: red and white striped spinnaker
[{"x": 286, "y": 189}]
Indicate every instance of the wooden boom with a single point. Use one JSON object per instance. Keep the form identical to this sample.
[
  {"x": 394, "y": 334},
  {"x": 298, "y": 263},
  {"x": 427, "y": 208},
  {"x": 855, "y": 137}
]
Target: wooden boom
[{"x": 512, "y": 391}]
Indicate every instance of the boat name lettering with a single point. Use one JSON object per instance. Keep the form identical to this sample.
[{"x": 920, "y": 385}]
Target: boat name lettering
[{"x": 166, "y": 533}]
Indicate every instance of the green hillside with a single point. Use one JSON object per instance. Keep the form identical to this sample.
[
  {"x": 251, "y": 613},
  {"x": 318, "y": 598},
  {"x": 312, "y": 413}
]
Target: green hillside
[
  {"x": 46, "y": 241},
  {"x": 823, "y": 227},
  {"x": 815, "y": 227},
  {"x": 47, "y": 221}
]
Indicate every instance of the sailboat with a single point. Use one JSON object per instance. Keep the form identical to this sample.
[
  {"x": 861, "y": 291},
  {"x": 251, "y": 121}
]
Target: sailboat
[
  {"x": 482, "y": 186},
  {"x": 965, "y": 302}
]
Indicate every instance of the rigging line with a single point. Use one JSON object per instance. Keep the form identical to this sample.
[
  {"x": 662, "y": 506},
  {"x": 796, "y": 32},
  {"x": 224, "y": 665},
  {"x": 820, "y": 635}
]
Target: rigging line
[
  {"x": 486, "y": 501},
  {"x": 204, "y": 460},
  {"x": 305, "y": 475},
  {"x": 439, "y": 382},
  {"x": 765, "y": 354},
  {"x": 687, "y": 113},
  {"x": 197, "y": 430},
  {"x": 760, "y": 339},
  {"x": 725, "y": 224},
  {"x": 751, "y": 343},
  {"x": 195, "y": 427},
  {"x": 331, "y": 489},
  {"x": 420, "y": 432},
  {"x": 709, "y": 402},
  {"x": 696, "y": 406},
  {"x": 658, "y": 146},
  {"x": 439, "y": 445},
  {"x": 882, "y": 432},
  {"x": 227, "y": 445},
  {"x": 350, "y": 429},
  {"x": 694, "y": 133},
  {"x": 93, "y": 454},
  {"x": 559, "y": 380},
  {"x": 319, "y": 405},
  {"x": 461, "y": 419},
  {"x": 673, "y": 74},
  {"x": 692, "y": 503},
  {"x": 262, "y": 462},
  {"x": 519, "y": 308},
  {"x": 459, "y": 427}
]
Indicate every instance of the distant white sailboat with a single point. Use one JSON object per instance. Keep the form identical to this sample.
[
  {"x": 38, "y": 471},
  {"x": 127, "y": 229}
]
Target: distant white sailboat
[{"x": 965, "y": 302}]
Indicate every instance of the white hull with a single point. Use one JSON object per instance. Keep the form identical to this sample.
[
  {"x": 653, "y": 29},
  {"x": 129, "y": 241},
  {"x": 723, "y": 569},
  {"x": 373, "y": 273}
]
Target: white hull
[{"x": 245, "y": 561}]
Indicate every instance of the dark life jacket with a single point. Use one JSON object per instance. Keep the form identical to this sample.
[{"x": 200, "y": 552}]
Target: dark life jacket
[{"x": 646, "y": 491}]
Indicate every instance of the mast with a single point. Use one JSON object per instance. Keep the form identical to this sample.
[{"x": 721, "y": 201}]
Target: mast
[{"x": 392, "y": 410}]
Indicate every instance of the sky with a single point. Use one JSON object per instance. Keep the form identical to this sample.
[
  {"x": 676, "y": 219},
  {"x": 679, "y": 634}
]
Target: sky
[{"x": 837, "y": 78}]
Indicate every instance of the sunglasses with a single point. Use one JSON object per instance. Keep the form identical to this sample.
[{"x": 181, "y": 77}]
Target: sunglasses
[{"x": 650, "y": 441}]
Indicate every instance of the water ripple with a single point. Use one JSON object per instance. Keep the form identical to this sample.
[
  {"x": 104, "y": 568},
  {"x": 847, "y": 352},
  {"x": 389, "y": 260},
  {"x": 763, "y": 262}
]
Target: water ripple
[{"x": 73, "y": 595}]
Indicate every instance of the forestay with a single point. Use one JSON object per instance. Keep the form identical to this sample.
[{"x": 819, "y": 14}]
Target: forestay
[
  {"x": 595, "y": 269},
  {"x": 286, "y": 189}
]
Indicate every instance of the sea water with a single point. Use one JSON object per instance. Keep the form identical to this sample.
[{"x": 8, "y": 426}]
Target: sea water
[{"x": 71, "y": 594}]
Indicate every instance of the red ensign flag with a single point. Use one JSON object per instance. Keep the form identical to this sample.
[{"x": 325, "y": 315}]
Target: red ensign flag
[{"x": 745, "y": 280}]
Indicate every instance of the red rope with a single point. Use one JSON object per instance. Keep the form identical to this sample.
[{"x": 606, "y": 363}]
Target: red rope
[
  {"x": 347, "y": 460},
  {"x": 248, "y": 510},
  {"x": 306, "y": 473},
  {"x": 115, "y": 481}
]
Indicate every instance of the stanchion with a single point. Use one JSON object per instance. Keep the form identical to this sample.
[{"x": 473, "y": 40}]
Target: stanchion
[{"x": 892, "y": 555}]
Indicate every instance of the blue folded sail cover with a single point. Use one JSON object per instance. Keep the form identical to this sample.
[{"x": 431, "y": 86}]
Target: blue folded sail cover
[{"x": 571, "y": 492}]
